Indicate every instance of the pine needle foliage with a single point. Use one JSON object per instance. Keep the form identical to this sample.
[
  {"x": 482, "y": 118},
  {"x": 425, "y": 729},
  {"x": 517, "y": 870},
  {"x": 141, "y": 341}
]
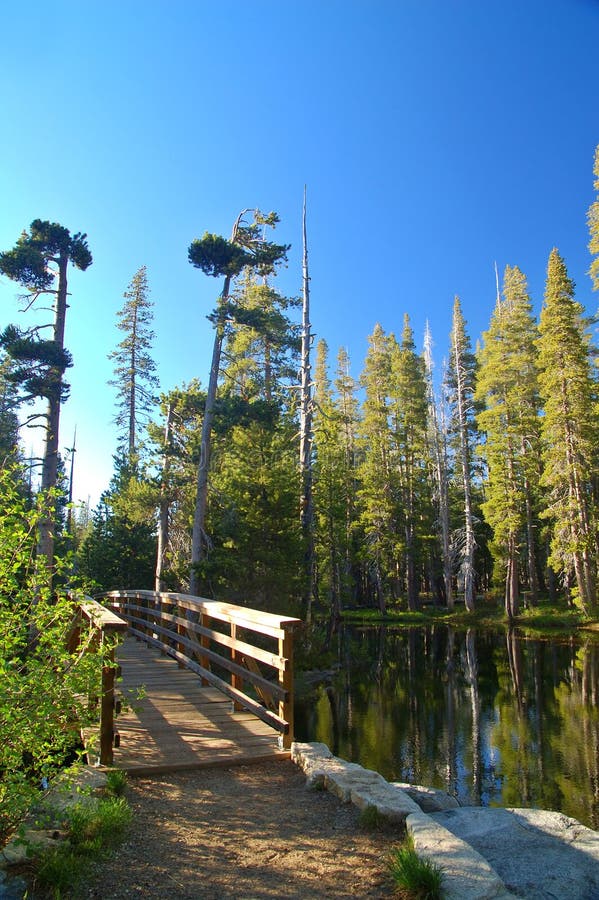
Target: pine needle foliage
[
  {"x": 593, "y": 221},
  {"x": 570, "y": 431},
  {"x": 134, "y": 370}
]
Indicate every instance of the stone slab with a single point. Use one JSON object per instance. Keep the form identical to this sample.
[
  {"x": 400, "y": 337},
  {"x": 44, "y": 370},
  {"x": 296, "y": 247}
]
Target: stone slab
[
  {"x": 466, "y": 873},
  {"x": 428, "y": 799},
  {"x": 352, "y": 783},
  {"x": 538, "y": 854}
]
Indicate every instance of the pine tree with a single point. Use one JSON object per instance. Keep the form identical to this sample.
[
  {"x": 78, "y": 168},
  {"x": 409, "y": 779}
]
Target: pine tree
[
  {"x": 593, "y": 220},
  {"x": 377, "y": 494},
  {"x": 9, "y": 420},
  {"x": 461, "y": 382},
  {"x": 408, "y": 409},
  {"x": 252, "y": 511},
  {"x": 119, "y": 550},
  {"x": 570, "y": 434},
  {"x": 348, "y": 410},
  {"x": 330, "y": 482},
  {"x": 39, "y": 262},
  {"x": 134, "y": 370},
  {"x": 507, "y": 386},
  {"x": 218, "y": 257},
  {"x": 176, "y": 443}
]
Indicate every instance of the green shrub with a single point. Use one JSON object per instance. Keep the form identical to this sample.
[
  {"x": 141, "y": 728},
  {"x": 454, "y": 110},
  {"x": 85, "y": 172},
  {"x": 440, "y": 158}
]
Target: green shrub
[{"x": 44, "y": 684}]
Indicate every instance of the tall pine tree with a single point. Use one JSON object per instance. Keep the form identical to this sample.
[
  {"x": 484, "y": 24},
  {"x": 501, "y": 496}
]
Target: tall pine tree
[
  {"x": 134, "y": 368},
  {"x": 507, "y": 387},
  {"x": 570, "y": 434},
  {"x": 39, "y": 262},
  {"x": 377, "y": 494},
  {"x": 408, "y": 408}
]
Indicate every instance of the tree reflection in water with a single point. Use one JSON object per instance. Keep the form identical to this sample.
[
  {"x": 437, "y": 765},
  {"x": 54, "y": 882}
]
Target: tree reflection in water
[{"x": 489, "y": 716}]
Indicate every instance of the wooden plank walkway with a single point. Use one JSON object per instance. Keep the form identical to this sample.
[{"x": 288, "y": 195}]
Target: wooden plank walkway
[{"x": 178, "y": 724}]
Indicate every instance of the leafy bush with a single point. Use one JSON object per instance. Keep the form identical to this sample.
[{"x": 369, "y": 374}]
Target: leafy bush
[{"x": 45, "y": 685}]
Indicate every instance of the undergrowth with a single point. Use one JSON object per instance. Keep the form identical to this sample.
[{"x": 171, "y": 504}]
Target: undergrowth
[
  {"x": 93, "y": 827},
  {"x": 421, "y": 878}
]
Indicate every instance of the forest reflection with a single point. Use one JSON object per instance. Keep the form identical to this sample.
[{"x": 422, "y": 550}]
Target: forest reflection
[{"x": 492, "y": 717}]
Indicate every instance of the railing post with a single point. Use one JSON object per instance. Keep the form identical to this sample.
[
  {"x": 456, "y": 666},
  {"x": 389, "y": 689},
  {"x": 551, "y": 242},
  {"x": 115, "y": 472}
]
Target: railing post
[
  {"x": 286, "y": 682},
  {"x": 236, "y": 680},
  {"x": 107, "y": 710},
  {"x": 143, "y": 602},
  {"x": 204, "y": 642}
]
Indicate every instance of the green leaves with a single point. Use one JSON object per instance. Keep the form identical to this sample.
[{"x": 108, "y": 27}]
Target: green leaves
[{"x": 44, "y": 685}]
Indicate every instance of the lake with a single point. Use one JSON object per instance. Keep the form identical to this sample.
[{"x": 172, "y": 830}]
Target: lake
[{"x": 493, "y": 718}]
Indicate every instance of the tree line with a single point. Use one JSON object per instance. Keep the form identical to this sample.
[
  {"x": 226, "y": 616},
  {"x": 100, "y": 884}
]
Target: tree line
[{"x": 285, "y": 482}]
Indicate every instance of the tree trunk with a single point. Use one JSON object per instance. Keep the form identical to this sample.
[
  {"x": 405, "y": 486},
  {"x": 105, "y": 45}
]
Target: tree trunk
[
  {"x": 45, "y": 545},
  {"x": 438, "y": 442},
  {"x": 306, "y": 502},
  {"x": 163, "y": 512},
  {"x": 198, "y": 538},
  {"x": 132, "y": 405},
  {"x": 511, "y": 580},
  {"x": 469, "y": 544}
]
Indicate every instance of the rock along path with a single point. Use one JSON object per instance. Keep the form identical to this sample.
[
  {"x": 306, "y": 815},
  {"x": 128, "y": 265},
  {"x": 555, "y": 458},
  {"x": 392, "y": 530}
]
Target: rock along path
[{"x": 484, "y": 853}]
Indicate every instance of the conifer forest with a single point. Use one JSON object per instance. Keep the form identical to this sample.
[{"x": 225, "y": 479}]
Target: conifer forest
[{"x": 284, "y": 481}]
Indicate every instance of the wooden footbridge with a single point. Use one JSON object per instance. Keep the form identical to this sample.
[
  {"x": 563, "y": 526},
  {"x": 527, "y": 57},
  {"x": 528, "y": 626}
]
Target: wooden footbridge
[{"x": 191, "y": 682}]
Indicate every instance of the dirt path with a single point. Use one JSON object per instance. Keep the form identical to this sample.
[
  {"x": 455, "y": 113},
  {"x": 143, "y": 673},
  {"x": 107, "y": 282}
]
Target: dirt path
[{"x": 244, "y": 832}]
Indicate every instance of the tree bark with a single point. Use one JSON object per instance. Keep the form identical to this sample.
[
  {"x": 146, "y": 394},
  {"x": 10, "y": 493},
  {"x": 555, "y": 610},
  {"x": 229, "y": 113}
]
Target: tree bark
[
  {"x": 306, "y": 502},
  {"x": 45, "y": 545},
  {"x": 198, "y": 538},
  {"x": 163, "y": 512},
  {"x": 469, "y": 544}
]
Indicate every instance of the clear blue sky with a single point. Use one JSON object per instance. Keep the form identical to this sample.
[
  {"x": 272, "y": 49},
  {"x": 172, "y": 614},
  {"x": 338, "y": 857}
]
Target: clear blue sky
[{"x": 435, "y": 137}]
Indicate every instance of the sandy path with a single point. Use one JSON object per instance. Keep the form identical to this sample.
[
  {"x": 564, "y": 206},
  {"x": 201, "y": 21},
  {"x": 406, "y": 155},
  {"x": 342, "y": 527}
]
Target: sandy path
[{"x": 243, "y": 832}]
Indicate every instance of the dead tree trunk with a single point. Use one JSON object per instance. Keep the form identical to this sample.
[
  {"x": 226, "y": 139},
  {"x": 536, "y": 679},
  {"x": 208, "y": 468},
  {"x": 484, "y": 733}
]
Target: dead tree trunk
[{"x": 306, "y": 501}]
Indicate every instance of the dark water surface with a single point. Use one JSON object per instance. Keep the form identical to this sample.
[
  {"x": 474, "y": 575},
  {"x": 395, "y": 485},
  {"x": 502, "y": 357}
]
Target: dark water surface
[{"x": 493, "y": 718}]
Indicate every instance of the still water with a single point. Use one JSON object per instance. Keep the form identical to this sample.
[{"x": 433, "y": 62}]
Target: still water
[{"x": 493, "y": 718}]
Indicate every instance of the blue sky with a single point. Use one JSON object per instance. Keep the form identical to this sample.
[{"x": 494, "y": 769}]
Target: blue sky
[{"x": 435, "y": 137}]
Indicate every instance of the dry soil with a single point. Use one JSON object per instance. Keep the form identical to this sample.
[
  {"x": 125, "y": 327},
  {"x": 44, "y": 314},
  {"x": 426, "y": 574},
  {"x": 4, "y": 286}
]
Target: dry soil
[{"x": 243, "y": 832}]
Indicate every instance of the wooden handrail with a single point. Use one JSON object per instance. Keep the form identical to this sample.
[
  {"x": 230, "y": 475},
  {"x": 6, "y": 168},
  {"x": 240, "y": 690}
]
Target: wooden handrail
[
  {"x": 187, "y": 629},
  {"x": 104, "y": 623}
]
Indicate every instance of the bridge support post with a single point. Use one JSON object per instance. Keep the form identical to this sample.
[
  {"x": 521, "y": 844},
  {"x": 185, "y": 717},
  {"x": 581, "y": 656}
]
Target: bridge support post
[
  {"x": 107, "y": 711},
  {"x": 236, "y": 680},
  {"x": 286, "y": 682}
]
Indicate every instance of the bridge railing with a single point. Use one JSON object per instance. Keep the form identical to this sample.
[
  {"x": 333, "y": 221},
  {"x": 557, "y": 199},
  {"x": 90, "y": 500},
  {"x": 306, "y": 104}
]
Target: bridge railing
[
  {"x": 105, "y": 627},
  {"x": 224, "y": 644}
]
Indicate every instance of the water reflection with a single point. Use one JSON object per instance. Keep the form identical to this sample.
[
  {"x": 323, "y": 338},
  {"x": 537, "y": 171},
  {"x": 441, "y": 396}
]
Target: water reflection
[{"x": 493, "y": 718}]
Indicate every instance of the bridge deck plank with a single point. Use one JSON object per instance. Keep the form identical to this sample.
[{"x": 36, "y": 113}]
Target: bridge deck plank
[{"x": 177, "y": 724}]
